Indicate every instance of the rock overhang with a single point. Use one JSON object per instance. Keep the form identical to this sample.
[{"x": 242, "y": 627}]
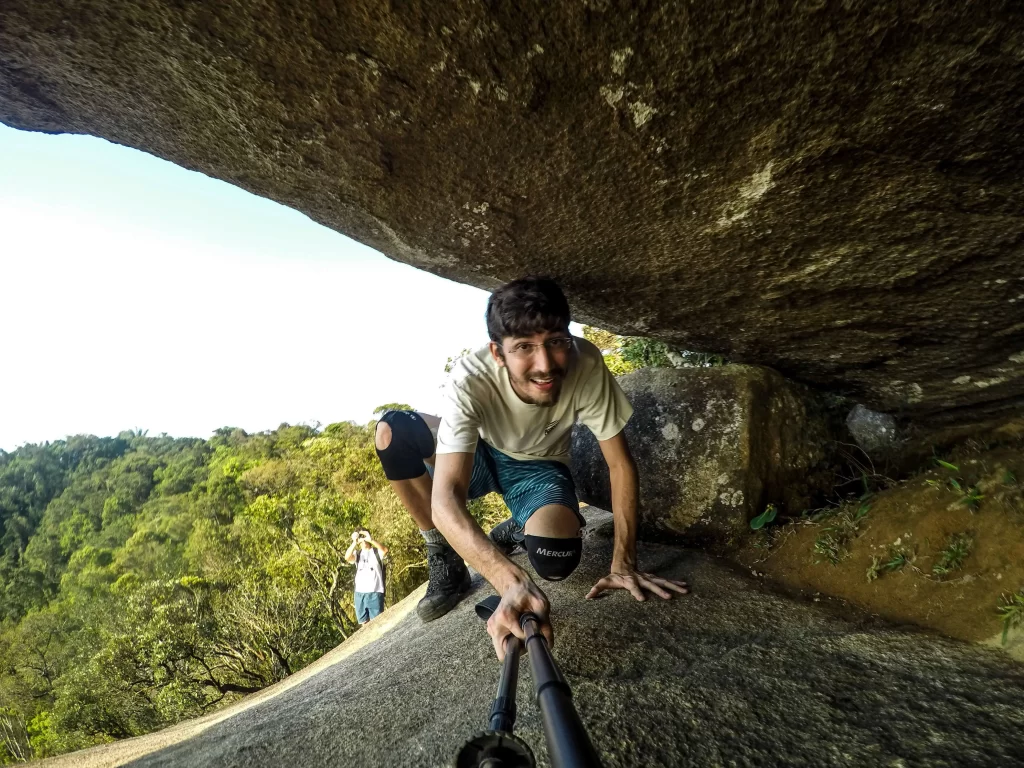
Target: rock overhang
[{"x": 831, "y": 190}]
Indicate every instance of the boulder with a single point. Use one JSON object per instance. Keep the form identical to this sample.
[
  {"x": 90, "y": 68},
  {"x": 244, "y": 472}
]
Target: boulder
[
  {"x": 874, "y": 433},
  {"x": 714, "y": 447},
  {"x": 830, "y": 189},
  {"x": 729, "y": 675}
]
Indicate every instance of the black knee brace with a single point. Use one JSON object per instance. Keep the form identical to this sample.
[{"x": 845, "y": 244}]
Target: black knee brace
[
  {"x": 554, "y": 559},
  {"x": 411, "y": 443}
]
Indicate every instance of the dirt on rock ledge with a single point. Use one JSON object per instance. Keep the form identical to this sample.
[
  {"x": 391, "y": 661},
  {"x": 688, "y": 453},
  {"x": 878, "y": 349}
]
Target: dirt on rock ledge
[{"x": 940, "y": 550}]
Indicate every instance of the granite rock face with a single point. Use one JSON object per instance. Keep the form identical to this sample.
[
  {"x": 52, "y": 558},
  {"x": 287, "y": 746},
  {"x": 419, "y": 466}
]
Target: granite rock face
[
  {"x": 713, "y": 447},
  {"x": 729, "y": 675},
  {"x": 831, "y": 189}
]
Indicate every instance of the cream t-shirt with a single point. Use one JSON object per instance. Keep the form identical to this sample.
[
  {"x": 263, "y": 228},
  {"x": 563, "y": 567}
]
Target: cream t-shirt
[{"x": 479, "y": 402}]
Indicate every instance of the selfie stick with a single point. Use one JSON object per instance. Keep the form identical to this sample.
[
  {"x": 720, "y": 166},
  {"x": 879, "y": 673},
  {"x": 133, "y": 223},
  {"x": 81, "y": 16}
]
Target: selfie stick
[
  {"x": 497, "y": 747},
  {"x": 569, "y": 745},
  {"x": 503, "y": 711}
]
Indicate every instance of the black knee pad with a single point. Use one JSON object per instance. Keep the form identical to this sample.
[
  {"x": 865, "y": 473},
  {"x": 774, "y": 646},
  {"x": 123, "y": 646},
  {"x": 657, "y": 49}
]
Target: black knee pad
[
  {"x": 554, "y": 559},
  {"x": 411, "y": 443}
]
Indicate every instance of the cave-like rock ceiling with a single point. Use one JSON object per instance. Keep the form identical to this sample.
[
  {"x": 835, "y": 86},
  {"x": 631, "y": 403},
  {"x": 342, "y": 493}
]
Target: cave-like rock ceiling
[{"x": 833, "y": 189}]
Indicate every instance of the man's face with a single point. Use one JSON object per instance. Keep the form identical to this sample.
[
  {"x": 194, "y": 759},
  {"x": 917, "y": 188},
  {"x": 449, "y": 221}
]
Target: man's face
[{"x": 535, "y": 370}]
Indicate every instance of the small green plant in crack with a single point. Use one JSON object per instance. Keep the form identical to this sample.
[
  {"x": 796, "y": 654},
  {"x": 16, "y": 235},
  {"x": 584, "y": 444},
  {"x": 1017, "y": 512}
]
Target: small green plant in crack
[
  {"x": 831, "y": 544},
  {"x": 1009, "y": 478},
  {"x": 829, "y": 548},
  {"x": 764, "y": 518},
  {"x": 897, "y": 559},
  {"x": 1011, "y": 610},
  {"x": 894, "y": 560},
  {"x": 952, "y": 557},
  {"x": 861, "y": 513},
  {"x": 972, "y": 498}
]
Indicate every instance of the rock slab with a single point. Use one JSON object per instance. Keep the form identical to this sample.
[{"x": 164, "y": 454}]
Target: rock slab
[
  {"x": 730, "y": 675},
  {"x": 714, "y": 447}
]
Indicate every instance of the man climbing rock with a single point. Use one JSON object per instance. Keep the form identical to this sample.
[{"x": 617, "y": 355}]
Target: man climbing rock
[{"x": 509, "y": 411}]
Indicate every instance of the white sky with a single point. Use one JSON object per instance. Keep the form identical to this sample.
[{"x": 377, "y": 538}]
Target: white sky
[{"x": 136, "y": 294}]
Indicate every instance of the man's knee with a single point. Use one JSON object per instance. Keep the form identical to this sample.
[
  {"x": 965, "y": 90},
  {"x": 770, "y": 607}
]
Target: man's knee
[
  {"x": 554, "y": 521},
  {"x": 554, "y": 559},
  {"x": 382, "y": 437},
  {"x": 403, "y": 441},
  {"x": 553, "y": 541}
]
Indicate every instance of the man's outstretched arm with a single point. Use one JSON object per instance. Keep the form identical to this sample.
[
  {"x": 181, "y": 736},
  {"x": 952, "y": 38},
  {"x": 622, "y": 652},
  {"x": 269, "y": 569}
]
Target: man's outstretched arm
[
  {"x": 625, "y": 487},
  {"x": 518, "y": 592}
]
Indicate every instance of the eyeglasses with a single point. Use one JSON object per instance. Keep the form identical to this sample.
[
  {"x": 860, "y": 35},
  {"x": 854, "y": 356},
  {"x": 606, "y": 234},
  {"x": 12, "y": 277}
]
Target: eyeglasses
[{"x": 525, "y": 349}]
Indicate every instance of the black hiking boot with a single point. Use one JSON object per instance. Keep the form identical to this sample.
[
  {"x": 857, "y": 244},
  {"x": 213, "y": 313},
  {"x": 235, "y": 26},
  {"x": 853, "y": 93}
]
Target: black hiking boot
[
  {"x": 508, "y": 537},
  {"x": 448, "y": 581}
]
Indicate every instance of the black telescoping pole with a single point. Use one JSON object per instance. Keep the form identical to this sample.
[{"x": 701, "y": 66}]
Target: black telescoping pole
[
  {"x": 569, "y": 745},
  {"x": 497, "y": 747},
  {"x": 503, "y": 711}
]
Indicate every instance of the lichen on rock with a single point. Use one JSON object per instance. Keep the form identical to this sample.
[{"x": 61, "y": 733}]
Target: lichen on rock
[{"x": 748, "y": 438}]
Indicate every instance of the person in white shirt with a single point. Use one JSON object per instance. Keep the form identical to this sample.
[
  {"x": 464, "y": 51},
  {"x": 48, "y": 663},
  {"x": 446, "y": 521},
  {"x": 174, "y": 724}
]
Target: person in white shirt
[
  {"x": 368, "y": 557},
  {"x": 509, "y": 412}
]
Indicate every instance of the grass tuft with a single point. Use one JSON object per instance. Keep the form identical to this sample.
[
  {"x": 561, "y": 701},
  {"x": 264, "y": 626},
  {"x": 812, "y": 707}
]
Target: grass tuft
[
  {"x": 972, "y": 498},
  {"x": 1011, "y": 609},
  {"x": 831, "y": 544},
  {"x": 952, "y": 557},
  {"x": 895, "y": 560}
]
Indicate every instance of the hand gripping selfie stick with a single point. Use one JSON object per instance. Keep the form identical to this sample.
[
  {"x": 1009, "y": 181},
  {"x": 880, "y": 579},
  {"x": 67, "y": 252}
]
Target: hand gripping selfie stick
[{"x": 568, "y": 743}]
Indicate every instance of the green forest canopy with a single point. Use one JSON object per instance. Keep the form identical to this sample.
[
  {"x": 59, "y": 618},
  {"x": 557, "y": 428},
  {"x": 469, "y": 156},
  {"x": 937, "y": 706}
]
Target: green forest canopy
[{"x": 146, "y": 580}]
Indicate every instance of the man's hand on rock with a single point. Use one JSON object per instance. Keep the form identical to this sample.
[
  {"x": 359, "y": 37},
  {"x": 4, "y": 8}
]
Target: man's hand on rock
[
  {"x": 635, "y": 582},
  {"x": 522, "y": 596}
]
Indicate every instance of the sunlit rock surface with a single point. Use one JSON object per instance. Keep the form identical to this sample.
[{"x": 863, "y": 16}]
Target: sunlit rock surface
[
  {"x": 714, "y": 447},
  {"x": 833, "y": 190},
  {"x": 730, "y": 675}
]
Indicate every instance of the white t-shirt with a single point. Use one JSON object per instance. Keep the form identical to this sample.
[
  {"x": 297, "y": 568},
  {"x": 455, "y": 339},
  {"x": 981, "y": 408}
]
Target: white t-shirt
[
  {"x": 368, "y": 575},
  {"x": 480, "y": 403}
]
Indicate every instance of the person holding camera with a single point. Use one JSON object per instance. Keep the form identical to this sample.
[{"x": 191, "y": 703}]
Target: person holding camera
[
  {"x": 509, "y": 411},
  {"x": 368, "y": 557}
]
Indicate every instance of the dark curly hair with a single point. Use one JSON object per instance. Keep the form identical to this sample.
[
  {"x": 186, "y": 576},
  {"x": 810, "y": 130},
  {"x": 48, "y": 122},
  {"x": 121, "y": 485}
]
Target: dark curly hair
[{"x": 526, "y": 306}]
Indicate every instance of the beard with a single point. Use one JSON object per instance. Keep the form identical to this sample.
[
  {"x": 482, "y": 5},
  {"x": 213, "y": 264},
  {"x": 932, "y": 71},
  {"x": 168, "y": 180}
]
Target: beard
[{"x": 530, "y": 390}]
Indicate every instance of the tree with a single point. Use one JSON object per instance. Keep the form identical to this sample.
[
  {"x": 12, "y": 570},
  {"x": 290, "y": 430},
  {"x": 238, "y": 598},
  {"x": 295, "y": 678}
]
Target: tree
[
  {"x": 391, "y": 407},
  {"x": 624, "y": 354}
]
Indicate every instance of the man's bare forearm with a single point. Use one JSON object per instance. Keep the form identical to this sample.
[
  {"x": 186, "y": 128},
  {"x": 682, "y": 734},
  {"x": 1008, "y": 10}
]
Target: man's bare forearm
[
  {"x": 625, "y": 488},
  {"x": 456, "y": 524}
]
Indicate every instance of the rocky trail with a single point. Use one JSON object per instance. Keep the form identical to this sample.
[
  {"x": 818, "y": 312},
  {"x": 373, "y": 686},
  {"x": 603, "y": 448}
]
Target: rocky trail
[{"x": 731, "y": 675}]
